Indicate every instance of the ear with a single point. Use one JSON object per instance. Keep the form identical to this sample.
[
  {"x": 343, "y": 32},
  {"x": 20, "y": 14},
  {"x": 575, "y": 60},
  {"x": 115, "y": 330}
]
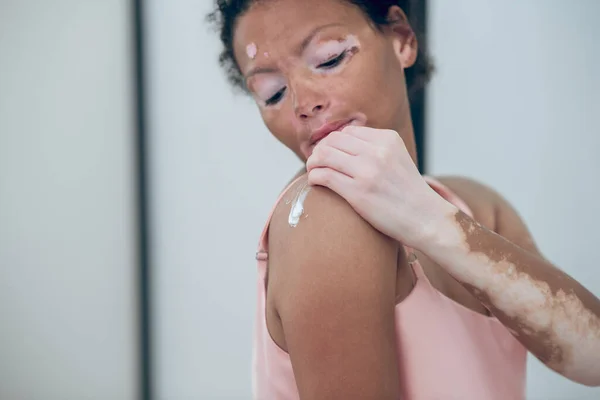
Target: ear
[{"x": 403, "y": 37}]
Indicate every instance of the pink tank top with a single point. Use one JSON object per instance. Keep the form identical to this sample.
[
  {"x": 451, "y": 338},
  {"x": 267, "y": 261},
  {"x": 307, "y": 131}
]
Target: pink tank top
[{"x": 445, "y": 350}]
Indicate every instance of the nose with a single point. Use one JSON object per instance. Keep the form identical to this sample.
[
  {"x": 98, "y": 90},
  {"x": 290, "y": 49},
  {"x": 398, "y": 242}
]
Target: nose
[{"x": 309, "y": 101}]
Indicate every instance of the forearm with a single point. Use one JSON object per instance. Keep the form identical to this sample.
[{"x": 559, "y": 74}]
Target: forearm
[{"x": 554, "y": 316}]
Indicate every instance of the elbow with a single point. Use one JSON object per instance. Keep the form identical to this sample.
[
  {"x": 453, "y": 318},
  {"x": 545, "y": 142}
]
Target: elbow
[
  {"x": 592, "y": 383},
  {"x": 589, "y": 377},
  {"x": 589, "y": 381}
]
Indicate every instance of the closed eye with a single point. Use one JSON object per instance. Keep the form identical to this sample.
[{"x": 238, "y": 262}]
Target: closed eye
[
  {"x": 334, "y": 62},
  {"x": 276, "y": 98}
]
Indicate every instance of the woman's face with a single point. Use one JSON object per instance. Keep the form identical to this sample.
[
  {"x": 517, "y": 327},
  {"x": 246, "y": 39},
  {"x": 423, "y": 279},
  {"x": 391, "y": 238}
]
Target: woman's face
[{"x": 315, "y": 65}]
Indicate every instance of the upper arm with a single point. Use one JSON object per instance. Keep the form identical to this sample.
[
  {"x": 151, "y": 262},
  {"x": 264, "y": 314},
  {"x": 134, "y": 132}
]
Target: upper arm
[
  {"x": 333, "y": 281},
  {"x": 493, "y": 211},
  {"x": 510, "y": 225}
]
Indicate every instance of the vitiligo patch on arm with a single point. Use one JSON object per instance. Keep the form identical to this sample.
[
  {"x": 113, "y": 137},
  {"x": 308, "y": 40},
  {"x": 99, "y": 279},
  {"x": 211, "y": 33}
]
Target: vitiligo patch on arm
[{"x": 540, "y": 306}]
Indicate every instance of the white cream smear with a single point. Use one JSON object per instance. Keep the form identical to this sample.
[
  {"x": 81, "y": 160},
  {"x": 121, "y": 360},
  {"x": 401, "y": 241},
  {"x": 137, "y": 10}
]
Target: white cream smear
[{"x": 298, "y": 205}]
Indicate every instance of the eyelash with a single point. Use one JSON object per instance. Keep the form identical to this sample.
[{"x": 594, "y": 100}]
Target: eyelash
[{"x": 334, "y": 62}]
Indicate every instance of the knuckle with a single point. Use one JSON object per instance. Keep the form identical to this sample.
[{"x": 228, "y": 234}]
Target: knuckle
[
  {"x": 392, "y": 133},
  {"x": 393, "y": 137},
  {"x": 325, "y": 177},
  {"x": 319, "y": 176},
  {"x": 349, "y": 128},
  {"x": 334, "y": 135},
  {"x": 333, "y": 138},
  {"x": 324, "y": 153},
  {"x": 381, "y": 154},
  {"x": 322, "y": 150},
  {"x": 313, "y": 176},
  {"x": 313, "y": 160}
]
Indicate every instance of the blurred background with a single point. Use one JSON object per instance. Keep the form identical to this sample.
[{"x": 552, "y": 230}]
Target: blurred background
[{"x": 134, "y": 184}]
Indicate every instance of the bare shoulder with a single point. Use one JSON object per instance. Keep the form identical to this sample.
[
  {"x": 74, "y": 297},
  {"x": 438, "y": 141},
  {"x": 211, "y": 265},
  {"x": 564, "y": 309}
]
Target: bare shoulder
[
  {"x": 324, "y": 225},
  {"x": 330, "y": 251},
  {"x": 301, "y": 172},
  {"x": 332, "y": 284},
  {"x": 492, "y": 210}
]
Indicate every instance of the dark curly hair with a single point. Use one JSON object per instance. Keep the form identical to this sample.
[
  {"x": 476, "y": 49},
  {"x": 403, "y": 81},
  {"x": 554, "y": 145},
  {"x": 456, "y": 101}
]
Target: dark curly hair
[{"x": 226, "y": 12}]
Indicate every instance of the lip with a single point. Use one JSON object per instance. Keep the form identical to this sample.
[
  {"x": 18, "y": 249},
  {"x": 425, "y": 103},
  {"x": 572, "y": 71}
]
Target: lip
[{"x": 327, "y": 129}]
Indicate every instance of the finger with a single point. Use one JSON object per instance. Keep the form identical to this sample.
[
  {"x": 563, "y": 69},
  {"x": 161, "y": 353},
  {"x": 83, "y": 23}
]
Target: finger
[
  {"x": 331, "y": 179},
  {"x": 364, "y": 133},
  {"x": 345, "y": 142},
  {"x": 325, "y": 156},
  {"x": 372, "y": 135}
]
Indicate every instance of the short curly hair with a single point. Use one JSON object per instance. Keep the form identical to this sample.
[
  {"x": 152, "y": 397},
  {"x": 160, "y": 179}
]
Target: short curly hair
[{"x": 226, "y": 13}]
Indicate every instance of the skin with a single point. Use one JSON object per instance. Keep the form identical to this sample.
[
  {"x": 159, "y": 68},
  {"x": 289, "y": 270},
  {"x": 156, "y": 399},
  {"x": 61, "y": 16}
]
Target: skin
[
  {"x": 251, "y": 51},
  {"x": 334, "y": 279},
  {"x": 304, "y": 289},
  {"x": 312, "y": 98},
  {"x": 553, "y": 315},
  {"x": 327, "y": 292}
]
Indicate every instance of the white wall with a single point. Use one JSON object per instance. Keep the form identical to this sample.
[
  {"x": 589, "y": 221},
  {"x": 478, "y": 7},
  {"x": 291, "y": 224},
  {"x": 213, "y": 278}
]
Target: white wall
[
  {"x": 516, "y": 104},
  {"x": 67, "y": 294},
  {"x": 216, "y": 170}
]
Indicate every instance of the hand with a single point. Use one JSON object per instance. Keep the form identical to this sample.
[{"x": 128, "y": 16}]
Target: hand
[{"x": 374, "y": 172}]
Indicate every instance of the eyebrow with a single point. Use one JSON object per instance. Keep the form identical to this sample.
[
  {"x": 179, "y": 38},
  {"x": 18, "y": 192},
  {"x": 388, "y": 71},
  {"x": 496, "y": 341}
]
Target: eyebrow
[{"x": 300, "y": 49}]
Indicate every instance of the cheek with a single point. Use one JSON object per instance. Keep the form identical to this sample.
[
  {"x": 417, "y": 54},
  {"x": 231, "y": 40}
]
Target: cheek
[
  {"x": 361, "y": 83},
  {"x": 282, "y": 122},
  {"x": 379, "y": 94},
  {"x": 280, "y": 127},
  {"x": 362, "y": 86}
]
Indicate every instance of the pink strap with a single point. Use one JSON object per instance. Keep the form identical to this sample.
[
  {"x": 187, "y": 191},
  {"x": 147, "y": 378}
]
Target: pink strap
[{"x": 414, "y": 264}]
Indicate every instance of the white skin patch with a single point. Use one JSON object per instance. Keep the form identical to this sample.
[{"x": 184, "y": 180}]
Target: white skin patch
[
  {"x": 251, "y": 51},
  {"x": 331, "y": 48},
  {"x": 298, "y": 205},
  {"x": 271, "y": 89},
  {"x": 561, "y": 316}
]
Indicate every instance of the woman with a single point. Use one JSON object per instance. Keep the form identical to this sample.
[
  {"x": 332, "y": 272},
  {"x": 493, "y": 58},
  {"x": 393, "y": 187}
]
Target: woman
[{"x": 374, "y": 281}]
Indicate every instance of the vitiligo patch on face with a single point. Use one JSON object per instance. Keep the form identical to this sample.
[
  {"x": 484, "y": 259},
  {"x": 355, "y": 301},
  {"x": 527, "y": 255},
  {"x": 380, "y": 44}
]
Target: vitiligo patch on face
[
  {"x": 251, "y": 51},
  {"x": 331, "y": 48}
]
